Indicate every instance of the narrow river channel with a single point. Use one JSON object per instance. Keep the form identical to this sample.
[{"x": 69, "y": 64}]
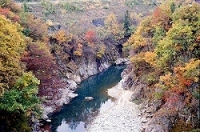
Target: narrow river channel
[{"x": 75, "y": 116}]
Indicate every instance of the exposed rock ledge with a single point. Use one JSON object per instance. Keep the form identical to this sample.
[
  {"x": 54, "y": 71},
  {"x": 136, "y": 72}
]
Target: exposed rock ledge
[{"x": 66, "y": 96}]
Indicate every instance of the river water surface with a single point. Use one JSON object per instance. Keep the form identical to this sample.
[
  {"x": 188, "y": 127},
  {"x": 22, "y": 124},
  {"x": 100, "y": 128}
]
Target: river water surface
[{"x": 75, "y": 116}]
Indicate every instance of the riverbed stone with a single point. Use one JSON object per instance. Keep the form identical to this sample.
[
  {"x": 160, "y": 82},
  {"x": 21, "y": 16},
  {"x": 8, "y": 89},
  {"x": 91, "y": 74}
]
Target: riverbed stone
[
  {"x": 89, "y": 98},
  {"x": 122, "y": 117}
]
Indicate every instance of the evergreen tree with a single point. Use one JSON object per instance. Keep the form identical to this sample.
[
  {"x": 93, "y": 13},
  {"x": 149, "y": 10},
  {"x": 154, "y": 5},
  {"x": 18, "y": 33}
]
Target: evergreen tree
[{"x": 127, "y": 24}]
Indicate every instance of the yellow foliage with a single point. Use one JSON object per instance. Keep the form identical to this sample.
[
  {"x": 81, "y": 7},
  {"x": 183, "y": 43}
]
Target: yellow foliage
[
  {"x": 193, "y": 64},
  {"x": 101, "y": 51},
  {"x": 191, "y": 70},
  {"x": 167, "y": 79},
  {"x": 111, "y": 24},
  {"x": 79, "y": 50},
  {"x": 60, "y": 36},
  {"x": 150, "y": 57},
  {"x": 49, "y": 23},
  {"x": 141, "y": 36},
  {"x": 12, "y": 45},
  {"x": 138, "y": 57}
]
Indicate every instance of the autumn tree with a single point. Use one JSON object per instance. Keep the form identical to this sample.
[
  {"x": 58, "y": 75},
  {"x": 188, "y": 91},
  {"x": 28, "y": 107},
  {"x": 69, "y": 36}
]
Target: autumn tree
[
  {"x": 78, "y": 50},
  {"x": 166, "y": 44},
  {"x": 161, "y": 17},
  {"x": 4, "y": 2},
  {"x": 62, "y": 37},
  {"x": 111, "y": 25},
  {"x": 90, "y": 36},
  {"x": 12, "y": 45},
  {"x": 18, "y": 104},
  {"x": 34, "y": 27},
  {"x": 40, "y": 61},
  {"x": 9, "y": 14}
]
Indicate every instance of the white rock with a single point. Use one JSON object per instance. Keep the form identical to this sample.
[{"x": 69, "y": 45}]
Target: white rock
[
  {"x": 72, "y": 84},
  {"x": 72, "y": 95},
  {"x": 121, "y": 61},
  {"x": 89, "y": 98},
  {"x": 48, "y": 120}
]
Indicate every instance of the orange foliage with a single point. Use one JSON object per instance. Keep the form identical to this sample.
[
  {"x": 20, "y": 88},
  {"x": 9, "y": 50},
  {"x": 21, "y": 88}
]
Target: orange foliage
[
  {"x": 90, "y": 36},
  {"x": 183, "y": 81},
  {"x": 183, "y": 77},
  {"x": 161, "y": 17},
  {"x": 9, "y": 14},
  {"x": 150, "y": 57}
]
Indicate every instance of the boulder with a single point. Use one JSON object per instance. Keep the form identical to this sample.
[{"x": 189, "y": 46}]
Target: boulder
[
  {"x": 48, "y": 120},
  {"x": 120, "y": 61},
  {"x": 89, "y": 98}
]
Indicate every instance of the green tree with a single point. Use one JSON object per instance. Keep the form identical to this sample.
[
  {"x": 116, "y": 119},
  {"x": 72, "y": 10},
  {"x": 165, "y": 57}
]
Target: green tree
[
  {"x": 17, "y": 105},
  {"x": 4, "y": 2},
  {"x": 23, "y": 97},
  {"x": 173, "y": 7},
  {"x": 127, "y": 24}
]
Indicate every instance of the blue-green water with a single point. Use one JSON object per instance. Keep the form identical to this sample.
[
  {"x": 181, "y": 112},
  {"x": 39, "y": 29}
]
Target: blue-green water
[{"x": 75, "y": 116}]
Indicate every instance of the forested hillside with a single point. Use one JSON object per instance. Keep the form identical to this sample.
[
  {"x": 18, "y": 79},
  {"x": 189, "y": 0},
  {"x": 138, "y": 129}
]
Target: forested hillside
[
  {"x": 164, "y": 52},
  {"x": 43, "y": 58},
  {"x": 48, "y": 47},
  {"x": 22, "y": 41}
]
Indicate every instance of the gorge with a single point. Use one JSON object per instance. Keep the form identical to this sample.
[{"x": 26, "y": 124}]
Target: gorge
[
  {"x": 99, "y": 65},
  {"x": 76, "y": 115}
]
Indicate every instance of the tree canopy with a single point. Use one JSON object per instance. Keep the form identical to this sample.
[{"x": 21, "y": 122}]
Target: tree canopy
[{"x": 12, "y": 45}]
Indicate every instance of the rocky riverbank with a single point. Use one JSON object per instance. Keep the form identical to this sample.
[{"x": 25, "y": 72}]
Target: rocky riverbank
[
  {"x": 66, "y": 94},
  {"x": 123, "y": 116}
]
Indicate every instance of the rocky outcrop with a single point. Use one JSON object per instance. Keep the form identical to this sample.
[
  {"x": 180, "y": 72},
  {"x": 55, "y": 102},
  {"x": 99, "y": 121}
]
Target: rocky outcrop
[
  {"x": 156, "y": 117},
  {"x": 165, "y": 118},
  {"x": 133, "y": 83},
  {"x": 163, "y": 121}
]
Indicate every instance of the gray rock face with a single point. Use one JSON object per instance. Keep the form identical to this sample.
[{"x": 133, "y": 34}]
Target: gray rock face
[
  {"x": 165, "y": 118},
  {"x": 72, "y": 84},
  {"x": 74, "y": 77},
  {"x": 155, "y": 128},
  {"x": 162, "y": 123},
  {"x": 87, "y": 69},
  {"x": 130, "y": 82},
  {"x": 138, "y": 92}
]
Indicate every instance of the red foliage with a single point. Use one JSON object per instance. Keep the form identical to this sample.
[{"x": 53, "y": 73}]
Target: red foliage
[
  {"x": 4, "y": 11},
  {"x": 90, "y": 36},
  {"x": 174, "y": 101},
  {"x": 9, "y": 14},
  {"x": 161, "y": 17},
  {"x": 183, "y": 81},
  {"x": 43, "y": 66}
]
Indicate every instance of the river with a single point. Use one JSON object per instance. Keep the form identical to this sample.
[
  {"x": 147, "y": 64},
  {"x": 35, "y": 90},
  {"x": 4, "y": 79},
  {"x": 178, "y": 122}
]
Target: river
[{"x": 75, "y": 116}]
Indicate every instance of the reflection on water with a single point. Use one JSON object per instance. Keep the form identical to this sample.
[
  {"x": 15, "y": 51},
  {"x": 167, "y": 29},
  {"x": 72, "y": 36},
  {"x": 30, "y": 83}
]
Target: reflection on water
[{"x": 75, "y": 116}]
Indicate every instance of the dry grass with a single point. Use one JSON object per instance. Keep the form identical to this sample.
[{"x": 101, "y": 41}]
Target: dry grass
[{"x": 76, "y": 16}]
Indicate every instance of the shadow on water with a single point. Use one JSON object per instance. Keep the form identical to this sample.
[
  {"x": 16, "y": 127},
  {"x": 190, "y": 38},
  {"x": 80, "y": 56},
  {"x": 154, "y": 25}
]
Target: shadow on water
[{"x": 75, "y": 116}]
